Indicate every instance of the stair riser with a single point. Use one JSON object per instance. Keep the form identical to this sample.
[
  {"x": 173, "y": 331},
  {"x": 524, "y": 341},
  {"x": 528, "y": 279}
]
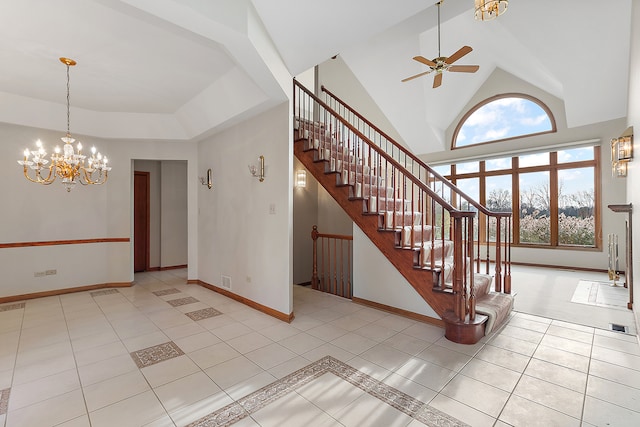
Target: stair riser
[
  {"x": 374, "y": 204},
  {"x": 394, "y": 220}
]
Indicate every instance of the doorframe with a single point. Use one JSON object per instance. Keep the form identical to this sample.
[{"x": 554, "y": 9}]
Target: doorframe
[{"x": 147, "y": 220}]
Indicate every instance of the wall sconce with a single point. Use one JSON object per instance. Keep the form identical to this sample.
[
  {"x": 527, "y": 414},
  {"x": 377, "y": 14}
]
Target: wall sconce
[
  {"x": 301, "y": 178},
  {"x": 258, "y": 171},
  {"x": 621, "y": 153},
  {"x": 208, "y": 181}
]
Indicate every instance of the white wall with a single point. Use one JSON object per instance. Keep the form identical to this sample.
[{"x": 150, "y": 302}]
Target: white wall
[
  {"x": 173, "y": 216},
  {"x": 375, "y": 279},
  {"x": 36, "y": 213},
  {"x": 305, "y": 216},
  {"x": 633, "y": 178},
  {"x": 239, "y": 237}
]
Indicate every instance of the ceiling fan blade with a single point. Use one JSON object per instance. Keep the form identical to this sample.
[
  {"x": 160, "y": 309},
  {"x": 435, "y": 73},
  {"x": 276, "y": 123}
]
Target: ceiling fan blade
[
  {"x": 459, "y": 54},
  {"x": 464, "y": 68},
  {"x": 425, "y": 61},
  {"x": 437, "y": 80},
  {"x": 416, "y": 76}
]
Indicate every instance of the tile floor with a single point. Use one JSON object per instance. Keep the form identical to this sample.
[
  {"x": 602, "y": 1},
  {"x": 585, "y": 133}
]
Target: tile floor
[{"x": 164, "y": 353}]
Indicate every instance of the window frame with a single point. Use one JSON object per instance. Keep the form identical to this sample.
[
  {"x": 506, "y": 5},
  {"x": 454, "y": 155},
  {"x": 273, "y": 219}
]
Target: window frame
[
  {"x": 553, "y": 167},
  {"x": 481, "y": 104}
]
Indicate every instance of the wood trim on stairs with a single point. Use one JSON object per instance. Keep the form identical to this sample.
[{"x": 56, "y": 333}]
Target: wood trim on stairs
[
  {"x": 399, "y": 311},
  {"x": 54, "y": 292},
  {"x": 246, "y": 301}
]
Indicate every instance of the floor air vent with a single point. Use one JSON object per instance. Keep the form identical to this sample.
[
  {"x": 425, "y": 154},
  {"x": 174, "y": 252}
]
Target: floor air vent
[{"x": 618, "y": 328}]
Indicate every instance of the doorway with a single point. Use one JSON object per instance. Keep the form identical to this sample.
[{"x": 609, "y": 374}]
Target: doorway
[{"x": 141, "y": 213}]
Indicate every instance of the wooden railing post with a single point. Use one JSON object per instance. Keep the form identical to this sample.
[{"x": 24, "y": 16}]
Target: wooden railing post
[
  {"x": 458, "y": 270},
  {"x": 498, "y": 277},
  {"x": 472, "y": 290},
  {"x": 314, "y": 274}
]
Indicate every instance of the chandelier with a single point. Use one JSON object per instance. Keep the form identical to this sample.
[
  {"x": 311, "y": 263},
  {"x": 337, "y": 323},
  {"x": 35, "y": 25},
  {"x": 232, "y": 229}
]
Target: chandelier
[
  {"x": 69, "y": 165},
  {"x": 487, "y": 10}
]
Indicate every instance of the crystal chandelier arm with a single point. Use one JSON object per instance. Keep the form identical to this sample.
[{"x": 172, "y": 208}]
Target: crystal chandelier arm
[
  {"x": 86, "y": 178},
  {"x": 38, "y": 176}
]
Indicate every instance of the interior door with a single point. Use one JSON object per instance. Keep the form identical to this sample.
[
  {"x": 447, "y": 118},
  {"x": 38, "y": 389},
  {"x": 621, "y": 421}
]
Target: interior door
[{"x": 140, "y": 221}]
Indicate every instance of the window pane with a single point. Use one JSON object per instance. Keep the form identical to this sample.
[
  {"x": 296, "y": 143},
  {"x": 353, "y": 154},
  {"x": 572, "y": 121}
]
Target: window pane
[
  {"x": 497, "y": 164},
  {"x": 470, "y": 167},
  {"x": 499, "y": 199},
  {"x": 576, "y": 199},
  {"x": 443, "y": 170},
  {"x": 503, "y": 118},
  {"x": 534, "y": 208},
  {"x": 471, "y": 187},
  {"x": 498, "y": 190},
  {"x": 539, "y": 159},
  {"x": 575, "y": 155}
]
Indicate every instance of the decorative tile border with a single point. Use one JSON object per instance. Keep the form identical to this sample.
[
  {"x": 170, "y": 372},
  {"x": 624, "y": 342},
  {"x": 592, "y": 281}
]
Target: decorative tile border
[
  {"x": 166, "y": 292},
  {"x": 4, "y": 400},
  {"x": 15, "y": 306},
  {"x": 156, "y": 354},
  {"x": 205, "y": 313},
  {"x": 104, "y": 292},
  {"x": 257, "y": 400},
  {"x": 182, "y": 301}
]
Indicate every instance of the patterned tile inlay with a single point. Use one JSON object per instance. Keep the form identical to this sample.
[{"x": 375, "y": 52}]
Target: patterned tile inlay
[
  {"x": 156, "y": 354},
  {"x": 15, "y": 306},
  {"x": 166, "y": 292},
  {"x": 104, "y": 292},
  {"x": 182, "y": 301},
  {"x": 4, "y": 400},
  {"x": 257, "y": 400},
  {"x": 205, "y": 313}
]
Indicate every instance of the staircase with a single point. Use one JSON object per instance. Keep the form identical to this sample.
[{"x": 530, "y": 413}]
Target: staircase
[{"x": 411, "y": 214}]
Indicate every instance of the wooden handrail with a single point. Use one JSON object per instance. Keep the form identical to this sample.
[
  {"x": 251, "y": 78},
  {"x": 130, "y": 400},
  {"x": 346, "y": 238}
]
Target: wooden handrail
[
  {"x": 388, "y": 158},
  {"x": 499, "y": 273},
  {"x": 413, "y": 157}
]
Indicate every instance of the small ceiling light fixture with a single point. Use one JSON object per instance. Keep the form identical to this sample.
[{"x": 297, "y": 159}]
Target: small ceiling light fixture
[
  {"x": 486, "y": 10},
  {"x": 65, "y": 163}
]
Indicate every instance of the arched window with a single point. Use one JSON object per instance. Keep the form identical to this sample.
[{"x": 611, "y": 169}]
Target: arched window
[{"x": 501, "y": 117}]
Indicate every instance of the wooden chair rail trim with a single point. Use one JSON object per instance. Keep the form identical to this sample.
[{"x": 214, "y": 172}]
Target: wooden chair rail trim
[
  {"x": 400, "y": 312},
  {"x": 246, "y": 301},
  {"x": 54, "y": 292},
  {"x": 64, "y": 242},
  {"x": 413, "y": 157}
]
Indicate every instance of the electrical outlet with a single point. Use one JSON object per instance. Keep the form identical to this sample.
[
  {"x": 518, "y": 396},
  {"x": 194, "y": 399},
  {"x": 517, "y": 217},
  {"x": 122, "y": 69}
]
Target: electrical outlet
[
  {"x": 272, "y": 209},
  {"x": 51, "y": 272},
  {"x": 39, "y": 274},
  {"x": 226, "y": 281},
  {"x": 248, "y": 279}
]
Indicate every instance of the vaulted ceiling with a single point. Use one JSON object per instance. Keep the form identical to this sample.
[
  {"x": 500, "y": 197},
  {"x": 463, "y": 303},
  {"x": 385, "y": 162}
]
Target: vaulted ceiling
[{"x": 183, "y": 69}]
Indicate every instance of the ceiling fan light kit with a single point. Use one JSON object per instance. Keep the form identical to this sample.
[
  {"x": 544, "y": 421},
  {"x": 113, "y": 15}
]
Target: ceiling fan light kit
[{"x": 442, "y": 63}]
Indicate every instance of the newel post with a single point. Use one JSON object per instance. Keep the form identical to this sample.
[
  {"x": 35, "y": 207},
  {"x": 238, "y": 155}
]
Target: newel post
[
  {"x": 314, "y": 276},
  {"x": 458, "y": 270},
  {"x": 498, "y": 277}
]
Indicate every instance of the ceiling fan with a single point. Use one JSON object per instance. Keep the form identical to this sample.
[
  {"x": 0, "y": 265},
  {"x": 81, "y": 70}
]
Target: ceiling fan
[{"x": 441, "y": 63}]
